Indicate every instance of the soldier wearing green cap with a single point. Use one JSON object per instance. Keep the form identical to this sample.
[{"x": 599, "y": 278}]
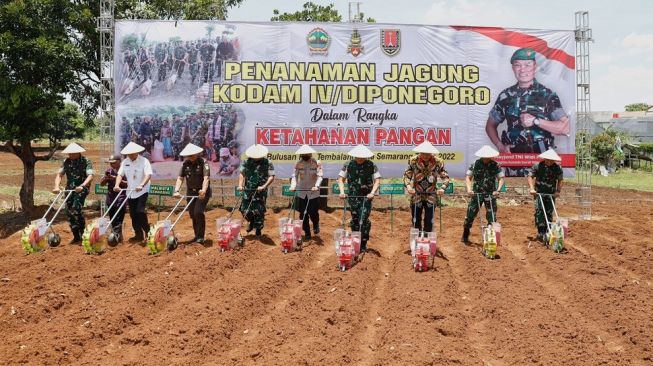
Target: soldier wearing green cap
[{"x": 533, "y": 113}]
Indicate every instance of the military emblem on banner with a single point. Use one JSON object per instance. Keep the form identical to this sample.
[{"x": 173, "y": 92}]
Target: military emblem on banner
[
  {"x": 390, "y": 41},
  {"x": 318, "y": 41},
  {"x": 355, "y": 44}
]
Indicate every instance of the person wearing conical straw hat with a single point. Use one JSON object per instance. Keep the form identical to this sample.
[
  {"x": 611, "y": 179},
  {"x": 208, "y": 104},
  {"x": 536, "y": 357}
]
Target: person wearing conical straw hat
[
  {"x": 363, "y": 179},
  {"x": 79, "y": 174},
  {"x": 481, "y": 179},
  {"x": 138, "y": 172},
  {"x": 420, "y": 179},
  {"x": 196, "y": 171},
  {"x": 256, "y": 175},
  {"x": 306, "y": 179},
  {"x": 545, "y": 178}
]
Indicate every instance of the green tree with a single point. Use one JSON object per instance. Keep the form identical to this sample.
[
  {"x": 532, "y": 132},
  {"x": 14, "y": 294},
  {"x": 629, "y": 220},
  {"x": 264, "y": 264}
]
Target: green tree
[
  {"x": 604, "y": 147},
  {"x": 634, "y": 107},
  {"x": 50, "y": 49},
  {"x": 175, "y": 9},
  {"x": 311, "y": 12},
  {"x": 37, "y": 64}
]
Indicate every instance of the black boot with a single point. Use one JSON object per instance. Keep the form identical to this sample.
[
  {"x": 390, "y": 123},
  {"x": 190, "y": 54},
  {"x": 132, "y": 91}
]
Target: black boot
[
  {"x": 541, "y": 234},
  {"x": 258, "y": 231},
  {"x": 465, "y": 238},
  {"x": 250, "y": 227},
  {"x": 77, "y": 239}
]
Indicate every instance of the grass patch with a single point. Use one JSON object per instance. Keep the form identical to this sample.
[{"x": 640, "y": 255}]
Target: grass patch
[
  {"x": 41, "y": 197},
  {"x": 626, "y": 179}
]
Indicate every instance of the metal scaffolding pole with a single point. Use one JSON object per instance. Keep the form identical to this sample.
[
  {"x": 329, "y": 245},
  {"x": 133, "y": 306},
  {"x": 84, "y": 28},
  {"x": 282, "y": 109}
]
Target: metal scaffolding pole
[
  {"x": 583, "y": 115},
  {"x": 355, "y": 12},
  {"x": 105, "y": 26}
]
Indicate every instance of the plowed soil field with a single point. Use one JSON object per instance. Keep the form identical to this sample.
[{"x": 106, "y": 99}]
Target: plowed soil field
[{"x": 591, "y": 305}]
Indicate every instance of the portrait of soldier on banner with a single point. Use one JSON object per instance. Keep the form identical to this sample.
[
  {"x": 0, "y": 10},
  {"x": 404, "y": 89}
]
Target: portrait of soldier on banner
[{"x": 533, "y": 113}]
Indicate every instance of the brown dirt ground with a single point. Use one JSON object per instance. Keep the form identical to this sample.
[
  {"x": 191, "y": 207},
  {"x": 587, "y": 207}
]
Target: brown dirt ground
[{"x": 591, "y": 305}]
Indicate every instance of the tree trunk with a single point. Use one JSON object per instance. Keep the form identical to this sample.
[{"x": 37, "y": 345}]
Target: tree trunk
[{"x": 27, "y": 188}]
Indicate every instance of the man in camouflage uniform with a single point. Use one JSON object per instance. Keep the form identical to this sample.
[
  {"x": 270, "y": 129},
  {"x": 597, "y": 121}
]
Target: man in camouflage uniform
[
  {"x": 420, "y": 179},
  {"x": 363, "y": 179},
  {"x": 129, "y": 60},
  {"x": 125, "y": 132},
  {"x": 178, "y": 135},
  {"x": 224, "y": 51},
  {"x": 483, "y": 173},
  {"x": 193, "y": 53},
  {"x": 207, "y": 55},
  {"x": 144, "y": 63},
  {"x": 545, "y": 178},
  {"x": 197, "y": 130},
  {"x": 136, "y": 129},
  {"x": 145, "y": 133},
  {"x": 533, "y": 112},
  {"x": 180, "y": 59},
  {"x": 79, "y": 174},
  {"x": 256, "y": 175},
  {"x": 157, "y": 125},
  {"x": 161, "y": 55}
]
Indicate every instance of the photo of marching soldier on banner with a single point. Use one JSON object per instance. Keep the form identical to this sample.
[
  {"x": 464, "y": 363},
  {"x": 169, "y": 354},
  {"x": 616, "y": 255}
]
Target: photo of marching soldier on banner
[
  {"x": 164, "y": 131},
  {"x": 155, "y": 66}
]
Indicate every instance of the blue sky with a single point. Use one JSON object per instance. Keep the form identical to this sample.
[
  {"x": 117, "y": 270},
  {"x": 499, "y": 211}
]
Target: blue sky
[{"x": 621, "y": 55}]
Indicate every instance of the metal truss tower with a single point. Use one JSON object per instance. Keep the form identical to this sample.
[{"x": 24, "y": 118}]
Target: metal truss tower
[
  {"x": 583, "y": 114},
  {"x": 105, "y": 25},
  {"x": 355, "y": 12}
]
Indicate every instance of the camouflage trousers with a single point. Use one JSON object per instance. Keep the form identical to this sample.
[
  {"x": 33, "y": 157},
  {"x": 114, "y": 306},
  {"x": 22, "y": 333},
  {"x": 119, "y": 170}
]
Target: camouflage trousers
[
  {"x": 474, "y": 206},
  {"x": 540, "y": 220},
  {"x": 177, "y": 147},
  {"x": 360, "y": 209},
  {"x": 74, "y": 207},
  {"x": 193, "y": 71},
  {"x": 162, "y": 72},
  {"x": 253, "y": 209}
]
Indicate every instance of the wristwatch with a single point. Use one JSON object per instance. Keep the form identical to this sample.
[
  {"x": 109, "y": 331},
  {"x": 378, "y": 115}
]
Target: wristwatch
[{"x": 536, "y": 121}]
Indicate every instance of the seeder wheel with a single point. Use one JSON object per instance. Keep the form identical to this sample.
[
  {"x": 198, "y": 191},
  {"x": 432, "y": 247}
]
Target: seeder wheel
[
  {"x": 113, "y": 239},
  {"x": 54, "y": 240},
  {"x": 172, "y": 243}
]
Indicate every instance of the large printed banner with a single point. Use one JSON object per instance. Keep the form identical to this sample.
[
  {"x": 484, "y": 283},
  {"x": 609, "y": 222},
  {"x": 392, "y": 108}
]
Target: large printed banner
[{"x": 226, "y": 85}]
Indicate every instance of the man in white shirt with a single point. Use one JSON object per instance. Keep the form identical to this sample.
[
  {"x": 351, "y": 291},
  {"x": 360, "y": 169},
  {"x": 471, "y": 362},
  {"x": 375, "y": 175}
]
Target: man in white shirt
[
  {"x": 138, "y": 172},
  {"x": 306, "y": 180}
]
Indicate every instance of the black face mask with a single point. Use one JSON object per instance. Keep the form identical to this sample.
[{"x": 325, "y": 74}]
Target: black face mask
[{"x": 306, "y": 157}]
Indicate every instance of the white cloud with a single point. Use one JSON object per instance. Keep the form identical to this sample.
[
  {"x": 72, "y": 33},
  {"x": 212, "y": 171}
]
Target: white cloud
[
  {"x": 469, "y": 12},
  {"x": 637, "y": 44},
  {"x": 621, "y": 85}
]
